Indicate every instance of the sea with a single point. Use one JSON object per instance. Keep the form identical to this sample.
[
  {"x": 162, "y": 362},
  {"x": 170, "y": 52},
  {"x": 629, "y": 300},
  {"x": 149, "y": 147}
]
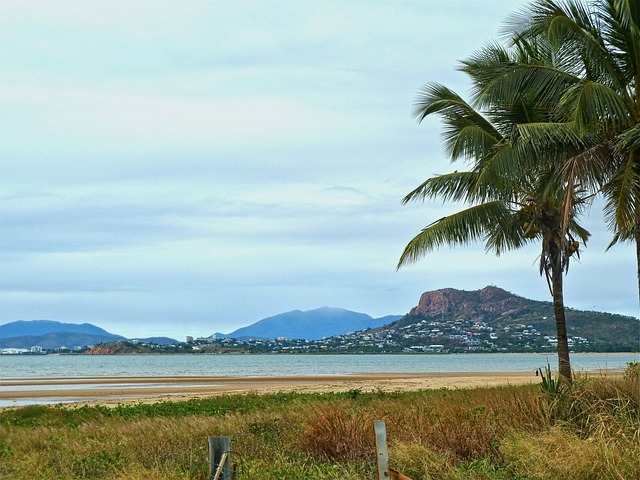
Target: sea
[
  {"x": 68, "y": 371},
  {"x": 66, "y": 366}
]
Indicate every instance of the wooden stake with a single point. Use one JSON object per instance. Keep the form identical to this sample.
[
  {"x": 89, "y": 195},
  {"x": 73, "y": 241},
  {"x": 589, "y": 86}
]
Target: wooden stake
[
  {"x": 220, "y": 458},
  {"x": 220, "y": 468},
  {"x": 384, "y": 472},
  {"x": 381, "y": 449}
]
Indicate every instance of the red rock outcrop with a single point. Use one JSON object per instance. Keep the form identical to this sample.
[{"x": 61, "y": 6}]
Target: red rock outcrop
[{"x": 488, "y": 299}]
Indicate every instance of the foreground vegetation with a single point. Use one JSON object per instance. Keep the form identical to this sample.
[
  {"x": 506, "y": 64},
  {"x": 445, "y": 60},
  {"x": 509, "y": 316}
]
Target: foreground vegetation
[{"x": 590, "y": 430}]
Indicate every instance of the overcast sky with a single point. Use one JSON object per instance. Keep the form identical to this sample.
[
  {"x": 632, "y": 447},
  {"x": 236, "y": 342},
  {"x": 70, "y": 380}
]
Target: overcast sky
[{"x": 182, "y": 167}]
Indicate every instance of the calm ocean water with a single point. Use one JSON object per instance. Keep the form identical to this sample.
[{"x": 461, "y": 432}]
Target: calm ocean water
[{"x": 23, "y": 366}]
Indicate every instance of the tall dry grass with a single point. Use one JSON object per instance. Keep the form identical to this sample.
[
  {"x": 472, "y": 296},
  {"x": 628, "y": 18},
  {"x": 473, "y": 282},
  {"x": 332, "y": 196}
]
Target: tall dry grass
[
  {"x": 591, "y": 432},
  {"x": 559, "y": 454},
  {"x": 463, "y": 423}
]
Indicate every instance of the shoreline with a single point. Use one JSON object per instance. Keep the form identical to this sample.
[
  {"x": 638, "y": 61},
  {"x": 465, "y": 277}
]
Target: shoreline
[{"x": 128, "y": 390}]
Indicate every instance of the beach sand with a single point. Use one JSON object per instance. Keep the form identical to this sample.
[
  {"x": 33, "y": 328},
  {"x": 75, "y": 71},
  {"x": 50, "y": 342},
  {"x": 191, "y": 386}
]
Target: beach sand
[
  {"x": 127, "y": 390},
  {"x": 120, "y": 390}
]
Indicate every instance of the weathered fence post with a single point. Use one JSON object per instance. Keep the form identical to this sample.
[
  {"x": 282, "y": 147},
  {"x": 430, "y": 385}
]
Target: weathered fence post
[
  {"x": 384, "y": 471},
  {"x": 220, "y": 458},
  {"x": 381, "y": 450}
]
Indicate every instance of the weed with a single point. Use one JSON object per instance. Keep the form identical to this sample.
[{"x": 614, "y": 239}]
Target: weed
[
  {"x": 632, "y": 372},
  {"x": 354, "y": 393}
]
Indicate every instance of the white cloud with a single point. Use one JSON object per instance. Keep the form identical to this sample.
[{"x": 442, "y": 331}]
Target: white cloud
[{"x": 212, "y": 163}]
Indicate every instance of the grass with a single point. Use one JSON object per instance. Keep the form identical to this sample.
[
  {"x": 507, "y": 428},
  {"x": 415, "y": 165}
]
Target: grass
[{"x": 591, "y": 431}]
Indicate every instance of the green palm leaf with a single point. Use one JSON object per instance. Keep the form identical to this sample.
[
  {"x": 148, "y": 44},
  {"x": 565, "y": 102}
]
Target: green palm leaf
[
  {"x": 598, "y": 107},
  {"x": 623, "y": 196},
  {"x": 469, "y": 225},
  {"x": 466, "y": 132},
  {"x": 456, "y": 186}
]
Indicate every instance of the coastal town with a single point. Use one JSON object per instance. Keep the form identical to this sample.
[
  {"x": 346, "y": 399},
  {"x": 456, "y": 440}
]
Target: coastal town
[
  {"x": 425, "y": 336},
  {"x": 457, "y": 336}
]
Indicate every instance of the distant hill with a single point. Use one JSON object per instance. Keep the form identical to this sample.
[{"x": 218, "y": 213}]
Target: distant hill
[
  {"x": 309, "y": 325},
  {"x": 56, "y": 340},
  {"x": 42, "y": 327},
  {"x": 118, "y": 348},
  {"x": 50, "y": 334},
  {"x": 510, "y": 314}
]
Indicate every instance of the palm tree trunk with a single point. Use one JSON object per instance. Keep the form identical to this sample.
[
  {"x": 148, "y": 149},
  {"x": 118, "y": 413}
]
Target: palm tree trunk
[
  {"x": 638, "y": 258},
  {"x": 564, "y": 363}
]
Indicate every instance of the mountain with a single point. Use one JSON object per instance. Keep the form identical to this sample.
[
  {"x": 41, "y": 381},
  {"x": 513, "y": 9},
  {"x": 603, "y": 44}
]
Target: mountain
[
  {"x": 50, "y": 334},
  {"x": 494, "y": 318},
  {"x": 42, "y": 327},
  {"x": 309, "y": 325},
  {"x": 53, "y": 341}
]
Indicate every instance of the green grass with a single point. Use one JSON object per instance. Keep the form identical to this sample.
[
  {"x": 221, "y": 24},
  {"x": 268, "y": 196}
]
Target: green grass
[{"x": 487, "y": 433}]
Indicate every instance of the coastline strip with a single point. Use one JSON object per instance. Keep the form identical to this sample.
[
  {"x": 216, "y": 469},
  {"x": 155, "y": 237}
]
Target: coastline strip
[
  {"x": 118, "y": 390},
  {"x": 107, "y": 389}
]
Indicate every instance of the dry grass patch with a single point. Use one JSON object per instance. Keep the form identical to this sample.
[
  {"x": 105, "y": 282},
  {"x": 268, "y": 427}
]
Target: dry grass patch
[
  {"x": 466, "y": 423},
  {"x": 558, "y": 454},
  {"x": 589, "y": 432},
  {"x": 339, "y": 432}
]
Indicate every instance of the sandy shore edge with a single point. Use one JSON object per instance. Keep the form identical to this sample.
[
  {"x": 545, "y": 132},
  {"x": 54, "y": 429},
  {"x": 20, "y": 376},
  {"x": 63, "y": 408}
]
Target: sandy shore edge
[{"x": 125, "y": 390}]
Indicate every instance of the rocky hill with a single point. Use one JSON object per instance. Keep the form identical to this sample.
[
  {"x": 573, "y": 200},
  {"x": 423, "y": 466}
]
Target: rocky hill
[
  {"x": 480, "y": 304},
  {"x": 118, "y": 348},
  {"x": 493, "y": 318}
]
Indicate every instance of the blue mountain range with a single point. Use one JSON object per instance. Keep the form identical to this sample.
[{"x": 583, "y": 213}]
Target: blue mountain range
[
  {"x": 310, "y": 325},
  {"x": 43, "y": 327}
]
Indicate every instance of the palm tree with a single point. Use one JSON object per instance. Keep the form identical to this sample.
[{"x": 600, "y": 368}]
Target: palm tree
[
  {"x": 507, "y": 208},
  {"x": 597, "y": 47}
]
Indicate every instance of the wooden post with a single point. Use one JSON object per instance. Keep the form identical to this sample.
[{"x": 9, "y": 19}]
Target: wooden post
[
  {"x": 220, "y": 458},
  {"x": 381, "y": 449},
  {"x": 384, "y": 472}
]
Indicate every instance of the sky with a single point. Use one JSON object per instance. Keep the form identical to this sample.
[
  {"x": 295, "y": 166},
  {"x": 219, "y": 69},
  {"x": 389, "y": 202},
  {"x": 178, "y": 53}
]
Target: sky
[{"x": 183, "y": 167}]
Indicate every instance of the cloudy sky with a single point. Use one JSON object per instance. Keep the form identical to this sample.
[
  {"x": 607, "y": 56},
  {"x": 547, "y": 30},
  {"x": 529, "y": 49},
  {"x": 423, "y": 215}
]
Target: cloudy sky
[{"x": 183, "y": 167}]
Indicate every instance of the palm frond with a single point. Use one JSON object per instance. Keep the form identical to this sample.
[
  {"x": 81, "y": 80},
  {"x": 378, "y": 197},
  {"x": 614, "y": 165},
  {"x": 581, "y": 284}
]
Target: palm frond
[
  {"x": 590, "y": 165},
  {"x": 435, "y": 98},
  {"x": 466, "y": 226},
  {"x": 621, "y": 32},
  {"x": 628, "y": 140},
  {"x": 578, "y": 35},
  {"x": 456, "y": 186},
  {"x": 506, "y": 235},
  {"x": 505, "y": 169},
  {"x": 622, "y": 236},
  {"x": 622, "y": 191},
  {"x": 471, "y": 142},
  {"x": 549, "y": 138},
  {"x": 628, "y": 13},
  {"x": 578, "y": 231},
  {"x": 543, "y": 85},
  {"x": 597, "y": 107},
  {"x": 466, "y": 133},
  {"x": 532, "y": 20}
]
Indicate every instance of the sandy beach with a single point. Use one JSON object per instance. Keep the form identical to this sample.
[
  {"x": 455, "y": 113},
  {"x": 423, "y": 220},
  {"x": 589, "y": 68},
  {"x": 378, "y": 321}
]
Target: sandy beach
[{"x": 118, "y": 390}]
